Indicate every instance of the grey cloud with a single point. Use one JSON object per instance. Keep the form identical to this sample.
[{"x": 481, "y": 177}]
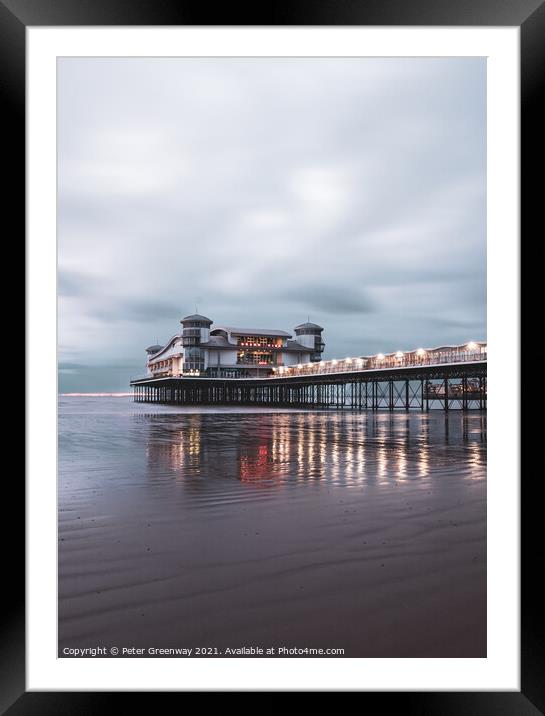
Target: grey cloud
[
  {"x": 77, "y": 283},
  {"x": 455, "y": 323},
  {"x": 266, "y": 190},
  {"x": 136, "y": 310},
  {"x": 320, "y": 299}
]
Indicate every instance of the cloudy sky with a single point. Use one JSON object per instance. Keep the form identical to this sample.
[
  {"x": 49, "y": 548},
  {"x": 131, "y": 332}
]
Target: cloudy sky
[{"x": 264, "y": 191}]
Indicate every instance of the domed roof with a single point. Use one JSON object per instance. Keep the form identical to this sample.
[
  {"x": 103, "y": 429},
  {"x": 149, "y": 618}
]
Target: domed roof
[
  {"x": 308, "y": 324},
  {"x": 197, "y": 317},
  {"x": 154, "y": 349}
]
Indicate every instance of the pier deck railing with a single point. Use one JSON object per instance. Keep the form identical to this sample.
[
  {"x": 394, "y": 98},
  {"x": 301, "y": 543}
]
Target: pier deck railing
[{"x": 408, "y": 360}]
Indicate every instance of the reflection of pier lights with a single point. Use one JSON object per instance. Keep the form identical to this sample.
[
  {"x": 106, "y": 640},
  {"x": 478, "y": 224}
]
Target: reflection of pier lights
[
  {"x": 404, "y": 442},
  {"x": 182, "y": 449},
  {"x": 258, "y": 460},
  {"x": 188, "y": 445},
  {"x": 254, "y": 467},
  {"x": 477, "y": 457},
  {"x": 280, "y": 448},
  {"x": 424, "y": 448}
]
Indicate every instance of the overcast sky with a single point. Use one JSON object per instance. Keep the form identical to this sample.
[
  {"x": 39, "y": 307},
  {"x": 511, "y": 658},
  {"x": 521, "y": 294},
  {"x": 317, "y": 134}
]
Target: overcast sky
[{"x": 264, "y": 191}]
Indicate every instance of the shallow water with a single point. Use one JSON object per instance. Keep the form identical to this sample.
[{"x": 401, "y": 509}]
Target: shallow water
[{"x": 362, "y": 532}]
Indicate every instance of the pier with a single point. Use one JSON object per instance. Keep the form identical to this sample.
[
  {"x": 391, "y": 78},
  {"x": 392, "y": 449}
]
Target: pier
[{"x": 418, "y": 380}]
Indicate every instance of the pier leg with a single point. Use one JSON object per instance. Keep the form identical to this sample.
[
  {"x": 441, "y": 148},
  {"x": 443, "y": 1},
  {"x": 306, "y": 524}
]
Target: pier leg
[{"x": 427, "y": 395}]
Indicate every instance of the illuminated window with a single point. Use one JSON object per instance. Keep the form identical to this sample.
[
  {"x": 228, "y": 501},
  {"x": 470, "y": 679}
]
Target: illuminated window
[
  {"x": 255, "y": 357},
  {"x": 259, "y": 341}
]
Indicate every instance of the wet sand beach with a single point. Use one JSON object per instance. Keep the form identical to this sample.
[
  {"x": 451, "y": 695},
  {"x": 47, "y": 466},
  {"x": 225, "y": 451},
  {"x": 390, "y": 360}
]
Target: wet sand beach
[{"x": 361, "y": 532}]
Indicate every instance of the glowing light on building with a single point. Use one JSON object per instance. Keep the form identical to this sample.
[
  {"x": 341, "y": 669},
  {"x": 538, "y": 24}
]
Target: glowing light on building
[
  {"x": 471, "y": 346},
  {"x": 380, "y": 356},
  {"x": 399, "y": 354},
  {"x": 420, "y": 352}
]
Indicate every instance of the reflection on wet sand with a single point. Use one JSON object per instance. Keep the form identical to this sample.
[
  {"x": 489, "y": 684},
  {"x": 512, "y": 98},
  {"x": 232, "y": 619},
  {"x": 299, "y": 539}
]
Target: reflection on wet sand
[{"x": 347, "y": 449}]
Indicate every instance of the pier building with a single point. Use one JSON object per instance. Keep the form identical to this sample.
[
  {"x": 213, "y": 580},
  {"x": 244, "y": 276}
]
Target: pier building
[{"x": 200, "y": 350}]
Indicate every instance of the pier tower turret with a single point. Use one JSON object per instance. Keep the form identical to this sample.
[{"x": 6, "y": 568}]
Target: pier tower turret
[
  {"x": 310, "y": 335},
  {"x": 196, "y": 330}
]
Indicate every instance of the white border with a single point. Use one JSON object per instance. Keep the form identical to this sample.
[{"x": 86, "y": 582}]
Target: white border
[{"x": 500, "y": 670}]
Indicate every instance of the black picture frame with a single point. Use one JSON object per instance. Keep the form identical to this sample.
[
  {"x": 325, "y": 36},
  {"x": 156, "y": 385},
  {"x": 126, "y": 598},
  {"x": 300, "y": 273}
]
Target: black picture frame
[{"x": 529, "y": 15}]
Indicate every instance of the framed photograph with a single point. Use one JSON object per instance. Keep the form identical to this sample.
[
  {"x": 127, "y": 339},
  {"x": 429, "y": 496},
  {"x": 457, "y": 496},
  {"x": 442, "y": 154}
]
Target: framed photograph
[{"x": 266, "y": 256}]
